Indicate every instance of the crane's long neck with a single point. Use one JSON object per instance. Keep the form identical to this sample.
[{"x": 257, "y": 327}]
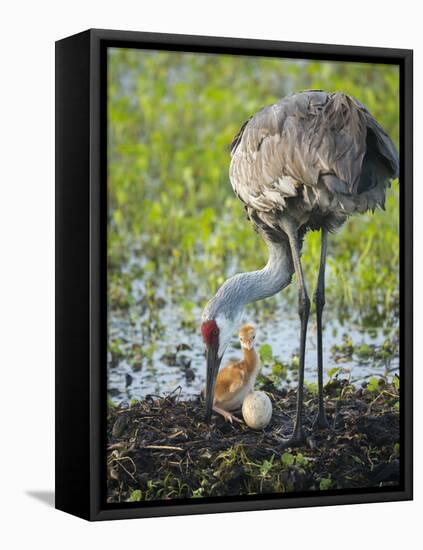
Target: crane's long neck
[
  {"x": 276, "y": 275},
  {"x": 244, "y": 288}
]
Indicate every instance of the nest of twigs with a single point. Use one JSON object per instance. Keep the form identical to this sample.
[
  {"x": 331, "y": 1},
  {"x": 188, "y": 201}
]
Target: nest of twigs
[{"x": 161, "y": 448}]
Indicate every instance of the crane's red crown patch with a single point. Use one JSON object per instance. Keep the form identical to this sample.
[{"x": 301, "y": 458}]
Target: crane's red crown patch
[{"x": 210, "y": 332}]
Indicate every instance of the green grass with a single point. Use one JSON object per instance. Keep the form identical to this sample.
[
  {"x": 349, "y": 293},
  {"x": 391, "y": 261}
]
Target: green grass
[{"x": 172, "y": 117}]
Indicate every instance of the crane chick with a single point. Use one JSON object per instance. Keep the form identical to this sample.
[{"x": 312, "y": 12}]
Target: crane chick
[{"x": 237, "y": 379}]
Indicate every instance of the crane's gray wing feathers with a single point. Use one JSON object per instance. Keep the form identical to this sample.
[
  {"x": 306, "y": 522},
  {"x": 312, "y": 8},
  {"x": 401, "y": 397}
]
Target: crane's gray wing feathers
[{"x": 306, "y": 141}]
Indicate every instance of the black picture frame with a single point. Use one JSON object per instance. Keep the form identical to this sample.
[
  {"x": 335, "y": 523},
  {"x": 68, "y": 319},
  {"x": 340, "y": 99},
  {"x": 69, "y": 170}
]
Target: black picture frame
[{"x": 81, "y": 218}]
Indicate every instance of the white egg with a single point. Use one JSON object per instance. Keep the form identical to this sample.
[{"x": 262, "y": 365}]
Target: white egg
[{"x": 257, "y": 410}]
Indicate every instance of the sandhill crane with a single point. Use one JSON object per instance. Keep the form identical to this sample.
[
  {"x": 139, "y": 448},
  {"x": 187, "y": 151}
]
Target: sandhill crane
[{"x": 305, "y": 163}]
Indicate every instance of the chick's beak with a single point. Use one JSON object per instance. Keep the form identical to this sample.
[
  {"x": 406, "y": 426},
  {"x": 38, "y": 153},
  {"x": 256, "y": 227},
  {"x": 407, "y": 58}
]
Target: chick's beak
[
  {"x": 248, "y": 344},
  {"x": 213, "y": 363}
]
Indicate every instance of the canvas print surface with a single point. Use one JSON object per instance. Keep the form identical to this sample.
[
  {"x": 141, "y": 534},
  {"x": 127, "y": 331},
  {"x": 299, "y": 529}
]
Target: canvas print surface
[{"x": 252, "y": 276}]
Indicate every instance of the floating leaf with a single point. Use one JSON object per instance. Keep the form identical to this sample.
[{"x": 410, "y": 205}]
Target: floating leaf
[
  {"x": 266, "y": 354},
  {"x": 373, "y": 384},
  {"x": 333, "y": 371},
  {"x": 266, "y": 466},
  {"x": 325, "y": 484},
  {"x": 287, "y": 459},
  {"x": 300, "y": 459},
  {"x": 135, "y": 496}
]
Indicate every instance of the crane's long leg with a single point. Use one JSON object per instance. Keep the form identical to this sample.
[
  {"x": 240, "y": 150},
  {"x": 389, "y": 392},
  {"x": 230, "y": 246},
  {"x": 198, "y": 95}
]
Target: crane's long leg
[
  {"x": 303, "y": 311},
  {"x": 319, "y": 300}
]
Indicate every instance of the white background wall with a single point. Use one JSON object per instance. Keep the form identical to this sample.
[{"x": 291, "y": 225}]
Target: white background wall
[{"x": 28, "y": 32}]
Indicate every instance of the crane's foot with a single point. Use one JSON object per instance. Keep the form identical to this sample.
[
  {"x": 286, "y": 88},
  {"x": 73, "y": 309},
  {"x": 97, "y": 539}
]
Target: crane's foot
[
  {"x": 297, "y": 439},
  {"x": 321, "y": 422}
]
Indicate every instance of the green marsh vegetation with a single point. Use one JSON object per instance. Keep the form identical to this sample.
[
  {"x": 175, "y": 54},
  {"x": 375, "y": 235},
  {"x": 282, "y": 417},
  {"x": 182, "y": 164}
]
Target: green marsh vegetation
[
  {"x": 159, "y": 449},
  {"x": 176, "y": 232}
]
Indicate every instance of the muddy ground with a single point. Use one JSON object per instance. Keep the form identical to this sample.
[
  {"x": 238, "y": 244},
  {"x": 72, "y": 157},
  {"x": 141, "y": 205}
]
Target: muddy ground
[{"x": 160, "y": 448}]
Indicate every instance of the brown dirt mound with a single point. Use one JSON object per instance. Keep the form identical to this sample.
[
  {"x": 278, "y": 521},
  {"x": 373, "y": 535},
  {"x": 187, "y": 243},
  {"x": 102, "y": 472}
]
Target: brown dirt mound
[{"x": 160, "y": 448}]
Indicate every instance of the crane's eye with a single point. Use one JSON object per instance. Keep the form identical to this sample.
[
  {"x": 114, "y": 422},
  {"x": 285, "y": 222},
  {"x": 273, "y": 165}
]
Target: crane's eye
[{"x": 215, "y": 332}]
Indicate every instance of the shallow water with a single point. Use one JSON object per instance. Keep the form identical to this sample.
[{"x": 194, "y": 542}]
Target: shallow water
[{"x": 179, "y": 357}]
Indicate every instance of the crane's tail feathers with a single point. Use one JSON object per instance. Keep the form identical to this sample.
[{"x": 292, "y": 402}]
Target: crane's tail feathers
[
  {"x": 355, "y": 146},
  {"x": 385, "y": 146}
]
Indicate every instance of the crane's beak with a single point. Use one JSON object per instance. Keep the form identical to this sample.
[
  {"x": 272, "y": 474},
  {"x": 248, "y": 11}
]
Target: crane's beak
[{"x": 213, "y": 363}]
